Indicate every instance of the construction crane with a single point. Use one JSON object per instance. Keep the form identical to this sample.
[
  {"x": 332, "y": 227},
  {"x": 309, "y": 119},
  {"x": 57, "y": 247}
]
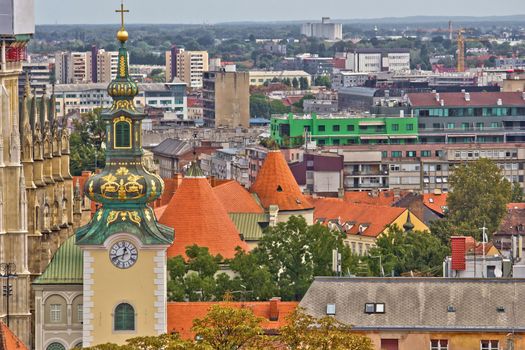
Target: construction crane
[{"x": 461, "y": 48}]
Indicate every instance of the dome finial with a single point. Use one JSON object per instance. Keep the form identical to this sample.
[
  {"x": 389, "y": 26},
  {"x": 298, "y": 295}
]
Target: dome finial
[{"x": 122, "y": 34}]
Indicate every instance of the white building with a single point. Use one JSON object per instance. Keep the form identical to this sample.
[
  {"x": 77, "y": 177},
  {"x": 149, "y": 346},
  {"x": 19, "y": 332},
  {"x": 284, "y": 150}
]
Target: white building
[
  {"x": 324, "y": 30},
  {"x": 348, "y": 79},
  {"x": 259, "y": 77},
  {"x": 375, "y": 60}
]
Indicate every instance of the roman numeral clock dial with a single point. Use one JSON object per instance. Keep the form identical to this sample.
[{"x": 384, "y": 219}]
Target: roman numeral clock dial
[{"x": 123, "y": 254}]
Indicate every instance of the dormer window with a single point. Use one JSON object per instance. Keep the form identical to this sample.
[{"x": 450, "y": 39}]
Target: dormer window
[
  {"x": 279, "y": 188},
  {"x": 122, "y": 130}
]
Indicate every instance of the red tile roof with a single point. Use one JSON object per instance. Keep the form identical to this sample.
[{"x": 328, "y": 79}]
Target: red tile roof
[
  {"x": 236, "y": 199},
  {"x": 516, "y": 206},
  {"x": 276, "y": 185},
  {"x": 181, "y": 315},
  {"x": 374, "y": 217},
  {"x": 436, "y": 202},
  {"x": 198, "y": 217},
  {"x": 366, "y": 197},
  {"x": 8, "y": 340},
  {"x": 457, "y": 99}
]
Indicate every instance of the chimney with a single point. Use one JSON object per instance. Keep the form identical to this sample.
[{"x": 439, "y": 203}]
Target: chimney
[
  {"x": 499, "y": 102},
  {"x": 274, "y": 308},
  {"x": 459, "y": 249},
  {"x": 467, "y": 96},
  {"x": 437, "y": 96},
  {"x": 442, "y": 103},
  {"x": 523, "y": 95}
]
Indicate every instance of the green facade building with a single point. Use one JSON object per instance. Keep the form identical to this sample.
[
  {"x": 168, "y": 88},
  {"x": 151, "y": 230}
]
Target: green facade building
[{"x": 290, "y": 130}]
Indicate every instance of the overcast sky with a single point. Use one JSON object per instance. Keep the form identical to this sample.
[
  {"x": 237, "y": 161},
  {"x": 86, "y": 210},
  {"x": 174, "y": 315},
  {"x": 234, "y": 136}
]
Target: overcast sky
[{"x": 213, "y": 11}]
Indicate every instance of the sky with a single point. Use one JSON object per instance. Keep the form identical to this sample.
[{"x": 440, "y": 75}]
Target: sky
[{"x": 214, "y": 11}]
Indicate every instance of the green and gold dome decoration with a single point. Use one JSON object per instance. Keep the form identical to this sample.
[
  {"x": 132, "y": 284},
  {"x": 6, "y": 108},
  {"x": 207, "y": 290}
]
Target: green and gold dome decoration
[{"x": 124, "y": 187}]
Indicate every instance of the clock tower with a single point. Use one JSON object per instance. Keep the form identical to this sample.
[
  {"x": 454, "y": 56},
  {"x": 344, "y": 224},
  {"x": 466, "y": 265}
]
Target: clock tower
[{"x": 124, "y": 247}]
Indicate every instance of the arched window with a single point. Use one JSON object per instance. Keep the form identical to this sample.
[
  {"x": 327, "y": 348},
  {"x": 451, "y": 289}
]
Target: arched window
[
  {"x": 122, "y": 134},
  {"x": 124, "y": 317},
  {"x": 55, "y": 346}
]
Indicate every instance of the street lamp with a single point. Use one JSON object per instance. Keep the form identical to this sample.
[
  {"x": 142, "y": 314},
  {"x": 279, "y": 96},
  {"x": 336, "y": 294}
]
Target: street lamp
[{"x": 7, "y": 271}]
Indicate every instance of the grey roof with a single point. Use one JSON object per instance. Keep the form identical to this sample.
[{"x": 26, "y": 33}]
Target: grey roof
[
  {"x": 421, "y": 303},
  {"x": 171, "y": 148},
  {"x": 358, "y": 91}
]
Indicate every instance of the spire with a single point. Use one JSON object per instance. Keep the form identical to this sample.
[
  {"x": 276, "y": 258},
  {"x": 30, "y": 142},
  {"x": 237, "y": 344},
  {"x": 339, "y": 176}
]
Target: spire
[
  {"x": 33, "y": 116},
  {"x": 43, "y": 110},
  {"x": 195, "y": 170},
  {"x": 25, "y": 101},
  {"x": 408, "y": 225},
  {"x": 53, "y": 107}
]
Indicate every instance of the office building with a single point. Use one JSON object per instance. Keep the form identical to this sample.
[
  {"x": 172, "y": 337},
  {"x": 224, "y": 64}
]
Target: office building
[
  {"x": 376, "y": 60},
  {"x": 226, "y": 99},
  {"x": 324, "y": 30},
  {"x": 188, "y": 66},
  {"x": 261, "y": 77}
]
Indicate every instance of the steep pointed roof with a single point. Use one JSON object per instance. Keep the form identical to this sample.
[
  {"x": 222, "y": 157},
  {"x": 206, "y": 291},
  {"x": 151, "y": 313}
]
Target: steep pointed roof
[
  {"x": 236, "y": 199},
  {"x": 198, "y": 217},
  {"x": 276, "y": 185},
  {"x": 8, "y": 340}
]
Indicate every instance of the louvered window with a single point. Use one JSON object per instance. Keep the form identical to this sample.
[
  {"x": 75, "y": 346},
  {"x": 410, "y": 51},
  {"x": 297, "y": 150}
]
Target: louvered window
[{"x": 122, "y": 134}]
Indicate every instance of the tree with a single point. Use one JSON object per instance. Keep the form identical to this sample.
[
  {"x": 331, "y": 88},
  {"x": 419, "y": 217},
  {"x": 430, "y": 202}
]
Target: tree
[
  {"x": 86, "y": 143},
  {"x": 517, "y": 193},
  {"x": 229, "y": 328},
  {"x": 323, "y": 80},
  {"x": 479, "y": 196},
  {"x": 407, "y": 251},
  {"x": 306, "y": 332},
  {"x": 303, "y": 83},
  {"x": 295, "y": 83},
  {"x": 165, "y": 341},
  {"x": 295, "y": 252}
]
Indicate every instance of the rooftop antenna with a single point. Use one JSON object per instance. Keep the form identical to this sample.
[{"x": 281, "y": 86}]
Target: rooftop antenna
[{"x": 484, "y": 242}]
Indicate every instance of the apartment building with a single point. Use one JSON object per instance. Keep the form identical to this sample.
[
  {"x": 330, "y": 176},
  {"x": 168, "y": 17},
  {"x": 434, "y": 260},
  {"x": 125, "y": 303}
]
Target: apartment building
[
  {"x": 423, "y": 167},
  {"x": 344, "y": 79},
  {"x": 95, "y": 66},
  {"x": 324, "y": 30},
  {"x": 293, "y": 130},
  {"x": 376, "y": 60},
  {"x": 188, "y": 66},
  {"x": 466, "y": 117},
  {"x": 86, "y": 97},
  {"x": 226, "y": 99},
  {"x": 39, "y": 75}
]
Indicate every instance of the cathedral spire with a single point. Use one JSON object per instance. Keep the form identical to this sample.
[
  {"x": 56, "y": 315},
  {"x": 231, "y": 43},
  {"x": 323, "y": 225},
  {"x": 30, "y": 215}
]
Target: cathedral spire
[{"x": 44, "y": 111}]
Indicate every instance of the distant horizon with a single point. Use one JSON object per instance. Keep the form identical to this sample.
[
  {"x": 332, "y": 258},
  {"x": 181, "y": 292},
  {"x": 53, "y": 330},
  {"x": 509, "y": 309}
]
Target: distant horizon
[
  {"x": 398, "y": 19},
  {"x": 51, "y": 12}
]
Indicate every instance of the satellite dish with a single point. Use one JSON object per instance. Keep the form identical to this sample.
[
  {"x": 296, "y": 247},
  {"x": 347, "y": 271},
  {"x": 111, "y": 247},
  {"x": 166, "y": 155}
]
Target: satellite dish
[{"x": 498, "y": 273}]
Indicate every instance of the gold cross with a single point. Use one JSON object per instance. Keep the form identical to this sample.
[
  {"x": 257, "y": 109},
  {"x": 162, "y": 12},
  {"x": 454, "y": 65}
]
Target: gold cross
[{"x": 122, "y": 11}]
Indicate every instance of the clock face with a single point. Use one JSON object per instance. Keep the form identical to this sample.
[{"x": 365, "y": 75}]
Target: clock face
[{"x": 123, "y": 254}]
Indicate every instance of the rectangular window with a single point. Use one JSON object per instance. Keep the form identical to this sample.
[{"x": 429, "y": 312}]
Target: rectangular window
[
  {"x": 489, "y": 345},
  {"x": 426, "y": 153},
  {"x": 396, "y": 154},
  {"x": 80, "y": 312},
  {"x": 410, "y": 127},
  {"x": 411, "y": 153},
  {"x": 395, "y": 127},
  {"x": 321, "y": 128},
  {"x": 439, "y": 344},
  {"x": 451, "y": 125},
  {"x": 55, "y": 313},
  {"x": 336, "y": 128},
  {"x": 349, "y": 128}
]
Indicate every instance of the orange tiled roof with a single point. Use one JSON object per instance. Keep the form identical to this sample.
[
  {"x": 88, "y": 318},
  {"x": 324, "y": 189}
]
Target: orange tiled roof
[
  {"x": 236, "y": 199},
  {"x": 516, "y": 206},
  {"x": 374, "y": 217},
  {"x": 8, "y": 340},
  {"x": 182, "y": 314},
  {"x": 367, "y": 197},
  {"x": 435, "y": 202},
  {"x": 276, "y": 185},
  {"x": 199, "y": 218}
]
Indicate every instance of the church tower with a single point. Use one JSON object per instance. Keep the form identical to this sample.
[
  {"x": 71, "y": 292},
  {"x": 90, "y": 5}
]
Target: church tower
[{"x": 124, "y": 247}]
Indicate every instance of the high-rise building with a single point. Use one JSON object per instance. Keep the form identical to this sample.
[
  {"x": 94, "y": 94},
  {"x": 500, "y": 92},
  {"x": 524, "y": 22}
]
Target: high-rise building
[
  {"x": 39, "y": 74},
  {"x": 188, "y": 66},
  {"x": 324, "y": 30},
  {"x": 86, "y": 67},
  {"x": 226, "y": 99}
]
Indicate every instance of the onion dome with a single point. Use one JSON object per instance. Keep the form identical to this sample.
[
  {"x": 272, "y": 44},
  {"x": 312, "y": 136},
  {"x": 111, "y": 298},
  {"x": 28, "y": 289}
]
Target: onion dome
[{"x": 124, "y": 187}]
